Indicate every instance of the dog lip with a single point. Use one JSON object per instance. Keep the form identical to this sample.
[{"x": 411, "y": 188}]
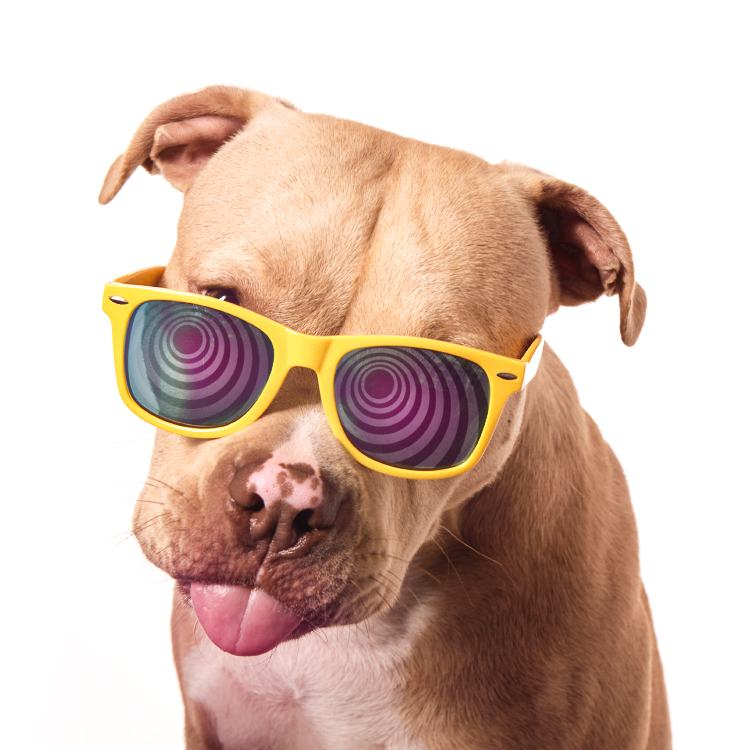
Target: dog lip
[
  {"x": 302, "y": 546},
  {"x": 184, "y": 584}
]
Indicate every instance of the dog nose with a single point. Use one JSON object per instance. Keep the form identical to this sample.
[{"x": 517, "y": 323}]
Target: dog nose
[{"x": 282, "y": 504}]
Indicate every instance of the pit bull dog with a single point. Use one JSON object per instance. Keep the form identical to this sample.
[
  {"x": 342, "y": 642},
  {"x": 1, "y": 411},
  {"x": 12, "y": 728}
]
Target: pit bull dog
[{"x": 469, "y": 581}]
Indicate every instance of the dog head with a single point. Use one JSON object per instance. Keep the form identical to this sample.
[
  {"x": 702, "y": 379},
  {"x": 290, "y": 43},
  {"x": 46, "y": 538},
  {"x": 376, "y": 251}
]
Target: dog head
[{"x": 332, "y": 227}]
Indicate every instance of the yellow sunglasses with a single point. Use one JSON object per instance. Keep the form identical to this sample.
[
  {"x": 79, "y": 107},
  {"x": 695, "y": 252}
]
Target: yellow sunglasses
[{"x": 404, "y": 406}]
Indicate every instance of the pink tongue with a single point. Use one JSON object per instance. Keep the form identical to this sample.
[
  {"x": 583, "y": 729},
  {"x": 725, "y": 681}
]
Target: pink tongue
[{"x": 241, "y": 620}]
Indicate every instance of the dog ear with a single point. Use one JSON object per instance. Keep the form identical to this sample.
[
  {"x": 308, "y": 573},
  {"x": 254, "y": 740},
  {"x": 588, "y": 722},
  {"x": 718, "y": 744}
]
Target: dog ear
[
  {"x": 181, "y": 135},
  {"x": 589, "y": 252}
]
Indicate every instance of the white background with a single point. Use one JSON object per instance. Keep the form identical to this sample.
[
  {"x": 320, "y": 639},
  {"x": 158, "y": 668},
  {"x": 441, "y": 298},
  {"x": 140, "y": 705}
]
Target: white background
[{"x": 642, "y": 104}]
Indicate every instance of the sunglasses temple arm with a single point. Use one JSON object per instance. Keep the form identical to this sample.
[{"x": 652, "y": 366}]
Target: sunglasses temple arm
[{"x": 533, "y": 364}]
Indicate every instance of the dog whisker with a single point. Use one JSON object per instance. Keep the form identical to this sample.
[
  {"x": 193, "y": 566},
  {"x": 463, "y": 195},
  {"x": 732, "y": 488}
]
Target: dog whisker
[
  {"x": 296, "y": 656},
  {"x": 481, "y": 554},
  {"x": 390, "y": 609},
  {"x": 574, "y": 488},
  {"x": 393, "y": 611},
  {"x": 369, "y": 609},
  {"x": 160, "y": 484},
  {"x": 393, "y": 576},
  {"x": 411, "y": 591},
  {"x": 382, "y": 539},
  {"x": 125, "y": 481},
  {"x": 388, "y": 587},
  {"x": 122, "y": 535},
  {"x": 151, "y": 522},
  {"x": 165, "y": 577},
  {"x": 264, "y": 662},
  {"x": 454, "y": 568},
  {"x": 198, "y": 640},
  {"x": 395, "y": 591},
  {"x": 116, "y": 481},
  {"x": 173, "y": 489},
  {"x": 146, "y": 564},
  {"x": 180, "y": 617},
  {"x": 428, "y": 573},
  {"x": 366, "y": 625},
  {"x": 353, "y": 600},
  {"x": 323, "y": 638},
  {"x": 354, "y": 603},
  {"x": 134, "y": 500},
  {"x": 125, "y": 536},
  {"x": 393, "y": 583},
  {"x": 411, "y": 563},
  {"x": 148, "y": 482}
]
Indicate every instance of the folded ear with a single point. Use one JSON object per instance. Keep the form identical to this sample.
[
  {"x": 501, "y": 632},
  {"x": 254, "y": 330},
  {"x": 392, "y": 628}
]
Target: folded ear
[
  {"x": 589, "y": 252},
  {"x": 181, "y": 135}
]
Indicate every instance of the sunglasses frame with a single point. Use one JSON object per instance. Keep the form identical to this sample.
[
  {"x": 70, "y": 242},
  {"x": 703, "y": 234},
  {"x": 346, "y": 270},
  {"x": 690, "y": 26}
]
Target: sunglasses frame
[{"x": 318, "y": 353}]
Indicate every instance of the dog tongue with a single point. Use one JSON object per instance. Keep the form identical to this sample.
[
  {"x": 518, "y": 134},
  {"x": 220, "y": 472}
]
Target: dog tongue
[{"x": 241, "y": 620}]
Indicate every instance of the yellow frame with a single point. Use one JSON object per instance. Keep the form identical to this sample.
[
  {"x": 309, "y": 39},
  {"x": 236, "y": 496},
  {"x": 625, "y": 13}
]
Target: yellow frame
[{"x": 318, "y": 353}]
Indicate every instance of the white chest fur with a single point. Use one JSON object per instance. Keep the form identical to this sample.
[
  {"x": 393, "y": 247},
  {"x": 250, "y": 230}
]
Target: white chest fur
[{"x": 334, "y": 689}]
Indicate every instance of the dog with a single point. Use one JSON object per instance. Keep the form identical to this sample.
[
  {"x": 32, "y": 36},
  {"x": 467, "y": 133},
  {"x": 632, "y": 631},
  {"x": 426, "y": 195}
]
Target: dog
[{"x": 324, "y": 602}]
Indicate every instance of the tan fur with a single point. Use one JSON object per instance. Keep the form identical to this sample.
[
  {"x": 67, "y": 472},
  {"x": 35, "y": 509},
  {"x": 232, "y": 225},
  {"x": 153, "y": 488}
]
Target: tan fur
[{"x": 502, "y": 608}]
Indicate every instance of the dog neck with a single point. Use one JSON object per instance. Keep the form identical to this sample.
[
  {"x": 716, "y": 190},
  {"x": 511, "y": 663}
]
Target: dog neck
[{"x": 551, "y": 508}]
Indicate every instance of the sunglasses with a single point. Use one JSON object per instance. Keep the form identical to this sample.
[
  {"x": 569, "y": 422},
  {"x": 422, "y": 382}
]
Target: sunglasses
[{"x": 407, "y": 407}]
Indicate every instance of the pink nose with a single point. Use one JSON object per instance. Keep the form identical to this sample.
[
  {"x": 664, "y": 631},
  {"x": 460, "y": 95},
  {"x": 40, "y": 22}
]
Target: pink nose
[
  {"x": 297, "y": 484},
  {"x": 281, "y": 503}
]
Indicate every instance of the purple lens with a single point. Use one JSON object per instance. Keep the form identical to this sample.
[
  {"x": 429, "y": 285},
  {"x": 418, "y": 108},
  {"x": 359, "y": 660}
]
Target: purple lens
[
  {"x": 193, "y": 365},
  {"x": 412, "y": 408}
]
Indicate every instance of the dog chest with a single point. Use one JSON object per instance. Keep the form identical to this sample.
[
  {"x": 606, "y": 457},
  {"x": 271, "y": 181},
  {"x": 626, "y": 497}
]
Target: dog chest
[{"x": 325, "y": 691}]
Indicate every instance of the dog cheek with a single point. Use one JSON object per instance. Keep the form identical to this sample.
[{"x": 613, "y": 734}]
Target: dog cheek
[
  {"x": 506, "y": 433},
  {"x": 164, "y": 498},
  {"x": 149, "y": 529},
  {"x": 391, "y": 520},
  {"x": 498, "y": 451},
  {"x": 413, "y": 515}
]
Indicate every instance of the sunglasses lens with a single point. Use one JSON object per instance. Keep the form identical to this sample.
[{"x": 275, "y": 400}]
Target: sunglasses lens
[
  {"x": 412, "y": 408},
  {"x": 195, "y": 366}
]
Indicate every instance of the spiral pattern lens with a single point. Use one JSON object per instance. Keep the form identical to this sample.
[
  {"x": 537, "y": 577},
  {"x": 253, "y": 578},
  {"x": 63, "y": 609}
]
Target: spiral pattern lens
[
  {"x": 413, "y": 408},
  {"x": 193, "y": 365}
]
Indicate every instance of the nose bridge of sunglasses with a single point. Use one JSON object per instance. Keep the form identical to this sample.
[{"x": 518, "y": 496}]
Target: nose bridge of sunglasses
[{"x": 303, "y": 350}]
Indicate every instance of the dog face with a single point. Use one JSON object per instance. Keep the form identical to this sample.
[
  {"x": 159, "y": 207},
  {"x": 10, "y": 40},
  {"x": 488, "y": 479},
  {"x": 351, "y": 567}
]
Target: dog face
[{"x": 331, "y": 227}]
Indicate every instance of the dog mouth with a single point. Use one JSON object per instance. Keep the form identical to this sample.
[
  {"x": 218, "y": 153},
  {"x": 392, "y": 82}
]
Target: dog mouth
[{"x": 240, "y": 620}]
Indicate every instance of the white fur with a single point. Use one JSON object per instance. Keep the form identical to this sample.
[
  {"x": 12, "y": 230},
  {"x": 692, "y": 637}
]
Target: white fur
[{"x": 332, "y": 689}]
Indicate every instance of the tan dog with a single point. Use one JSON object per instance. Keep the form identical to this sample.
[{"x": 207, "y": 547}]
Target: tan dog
[{"x": 501, "y": 608}]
